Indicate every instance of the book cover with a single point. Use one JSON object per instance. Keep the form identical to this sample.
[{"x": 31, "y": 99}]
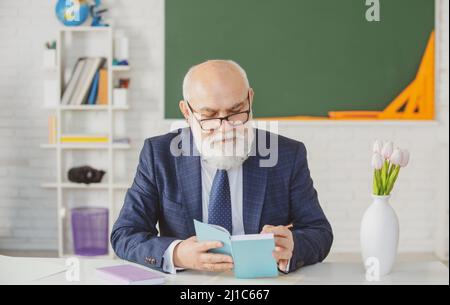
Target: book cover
[
  {"x": 94, "y": 90},
  {"x": 84, "y": 139},
  {"x": 52, "y": 130},
  {"x": 102, "y": 97},
  {"x": 73, "y": 82},
  {"x": 129, "y": 275},
  {"x": 77, "y": 94},
  {"x": 252, "y": 254}
]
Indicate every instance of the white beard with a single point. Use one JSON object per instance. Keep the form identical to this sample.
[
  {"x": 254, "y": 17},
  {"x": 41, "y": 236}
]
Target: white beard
[{"x": 229, "y": 154}]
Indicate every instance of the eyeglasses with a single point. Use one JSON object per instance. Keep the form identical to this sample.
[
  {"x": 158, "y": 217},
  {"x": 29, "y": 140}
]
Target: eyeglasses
[{"x": 234, "y": 119}]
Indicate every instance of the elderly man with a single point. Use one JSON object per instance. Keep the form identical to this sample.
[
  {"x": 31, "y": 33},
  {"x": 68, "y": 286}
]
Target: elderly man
[{"x": 218, "y": 177}]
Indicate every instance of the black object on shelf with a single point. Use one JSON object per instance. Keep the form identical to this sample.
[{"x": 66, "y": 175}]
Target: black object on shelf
[{"x": 85, "y": 174}]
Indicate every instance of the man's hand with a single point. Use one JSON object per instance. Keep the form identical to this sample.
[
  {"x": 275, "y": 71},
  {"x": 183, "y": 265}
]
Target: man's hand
[
  {"x": 284, "y": 244},
  {"x": 191, "y": 254}
]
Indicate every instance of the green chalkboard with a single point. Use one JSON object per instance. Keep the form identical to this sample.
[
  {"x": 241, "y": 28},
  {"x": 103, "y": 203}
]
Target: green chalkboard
[{"x": 303, "y": 57}]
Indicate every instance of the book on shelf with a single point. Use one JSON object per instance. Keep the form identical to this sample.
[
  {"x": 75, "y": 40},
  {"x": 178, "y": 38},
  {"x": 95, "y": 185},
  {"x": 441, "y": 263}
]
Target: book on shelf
[
  {"x": 124, "y": 140},
  {"x": 52, "y": 129},
  {"x": 70, "y": 87},
  {"x": 82, "y": 138},
  {"x": 94, "y": 89},
  {"x": 102, "y": 96},
  {"x": 81, "y": 88}
]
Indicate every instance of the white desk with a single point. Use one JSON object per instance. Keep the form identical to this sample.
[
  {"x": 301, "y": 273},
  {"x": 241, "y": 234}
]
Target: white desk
[{"x": 44, "y": 271}]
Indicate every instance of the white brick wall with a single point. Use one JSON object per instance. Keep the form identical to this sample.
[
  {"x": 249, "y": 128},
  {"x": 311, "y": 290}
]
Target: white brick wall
[{"x": 339, "y": 154}]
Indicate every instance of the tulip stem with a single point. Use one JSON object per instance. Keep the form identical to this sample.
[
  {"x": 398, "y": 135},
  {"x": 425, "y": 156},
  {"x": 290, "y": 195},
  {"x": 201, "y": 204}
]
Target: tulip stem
[
  {"x": 384, "y": 175},
  {"x": 391, "y": 169},
  {"x": 392, "y": 179},
  {"x": 377, "y": 183},
  {"x": 376, "y": 189}
]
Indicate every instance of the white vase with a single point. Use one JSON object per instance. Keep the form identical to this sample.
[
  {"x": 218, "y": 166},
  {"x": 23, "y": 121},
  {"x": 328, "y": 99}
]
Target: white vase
[{"x": 379, "y": 235}]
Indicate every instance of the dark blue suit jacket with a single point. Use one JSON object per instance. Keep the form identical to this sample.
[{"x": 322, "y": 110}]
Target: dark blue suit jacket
[{"x": 167, "y": 192}]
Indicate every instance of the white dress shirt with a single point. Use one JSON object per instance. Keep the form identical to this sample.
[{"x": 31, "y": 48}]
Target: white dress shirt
[{"x": 236, "y": 191}]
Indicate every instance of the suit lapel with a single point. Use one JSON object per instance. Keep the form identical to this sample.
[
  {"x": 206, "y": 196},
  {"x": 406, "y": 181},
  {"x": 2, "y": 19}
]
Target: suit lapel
[
  {"x": 254, "y": 190},
  {"x": 189, "y": 177}
]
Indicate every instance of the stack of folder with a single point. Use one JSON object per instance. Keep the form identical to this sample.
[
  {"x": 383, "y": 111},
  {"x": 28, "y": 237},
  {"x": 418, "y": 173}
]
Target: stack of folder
[{"x": 84, "y": 139}]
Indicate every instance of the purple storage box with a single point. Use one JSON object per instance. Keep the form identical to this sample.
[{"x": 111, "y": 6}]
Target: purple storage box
[{"x": 90, "y": 231}]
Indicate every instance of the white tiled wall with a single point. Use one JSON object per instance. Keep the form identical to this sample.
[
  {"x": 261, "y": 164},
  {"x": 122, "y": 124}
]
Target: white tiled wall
[{"x": 339, "y": 154}]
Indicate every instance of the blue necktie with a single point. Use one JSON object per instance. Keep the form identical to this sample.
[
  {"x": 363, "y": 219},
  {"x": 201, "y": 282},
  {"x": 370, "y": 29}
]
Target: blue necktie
[{"x": 219, "y": 207}]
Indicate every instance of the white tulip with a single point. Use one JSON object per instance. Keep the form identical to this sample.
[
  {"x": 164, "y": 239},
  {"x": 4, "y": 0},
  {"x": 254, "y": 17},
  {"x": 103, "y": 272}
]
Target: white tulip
[
  {"x": 405, "y": 158},
  {"x": 377, "y": 161},
  {"x": 388, "y": 149},
  {"x": 396, "y": 157},
  {"x": 377, "y": 146}
]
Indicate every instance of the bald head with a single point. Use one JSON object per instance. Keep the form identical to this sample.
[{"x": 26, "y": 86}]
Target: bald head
[
  {"x": 215, "y": 81},
  {"x": 217, "y": 106}
]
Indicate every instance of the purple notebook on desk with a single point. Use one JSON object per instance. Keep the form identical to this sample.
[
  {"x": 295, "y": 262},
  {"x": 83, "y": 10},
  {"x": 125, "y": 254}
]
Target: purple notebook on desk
[{"x": 129, "y": 275}]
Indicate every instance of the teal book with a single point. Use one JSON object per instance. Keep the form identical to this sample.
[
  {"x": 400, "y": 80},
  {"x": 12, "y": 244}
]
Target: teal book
[
  {"x": 252, "y": 254},
  {"x": 94, "y": 90}
]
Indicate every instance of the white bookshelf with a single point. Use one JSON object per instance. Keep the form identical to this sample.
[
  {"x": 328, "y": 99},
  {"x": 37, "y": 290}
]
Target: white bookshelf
[
  {"x": 121, "y": 68},
  {"x": 108, "y": 184},
  {"x": 88, "y": 107},
  {"x": 81, "y": 186},
  {"x": 87, "y": 146},
  {"x": 86, "y": 29}
]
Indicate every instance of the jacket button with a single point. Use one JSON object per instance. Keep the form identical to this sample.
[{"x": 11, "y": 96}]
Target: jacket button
[{"x": 150, "y": 260}]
